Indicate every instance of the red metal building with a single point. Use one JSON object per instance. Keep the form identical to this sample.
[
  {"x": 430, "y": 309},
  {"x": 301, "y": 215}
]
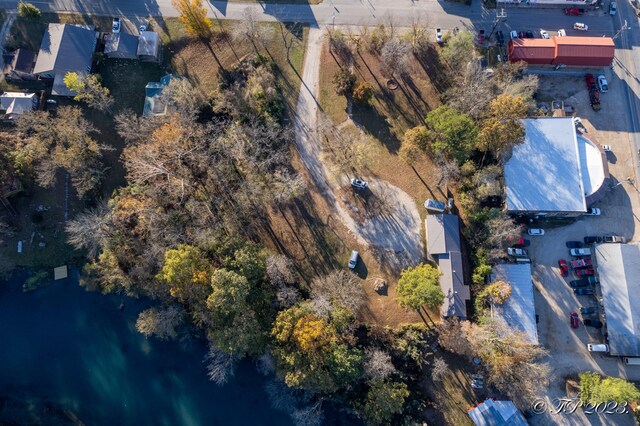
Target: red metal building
[{"x": 570, "y": 51}]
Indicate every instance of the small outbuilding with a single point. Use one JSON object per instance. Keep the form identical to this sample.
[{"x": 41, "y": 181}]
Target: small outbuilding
[
  {"x": 154, "y": 104},
  {"x": 497, "y": 413},
  {"x": 121, "y": 46},
  {"x": 149, "y": 46},
  {"x": 16, "y": 103}
]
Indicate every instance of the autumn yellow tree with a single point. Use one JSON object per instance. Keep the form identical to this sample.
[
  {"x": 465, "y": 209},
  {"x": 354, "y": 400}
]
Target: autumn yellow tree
[
  {"x": 502, "y": 129},
  {"x": 193, "y": 15}
]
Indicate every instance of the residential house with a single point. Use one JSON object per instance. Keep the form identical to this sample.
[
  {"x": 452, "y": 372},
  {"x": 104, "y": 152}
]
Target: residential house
[{"x": 121, "y": 45}]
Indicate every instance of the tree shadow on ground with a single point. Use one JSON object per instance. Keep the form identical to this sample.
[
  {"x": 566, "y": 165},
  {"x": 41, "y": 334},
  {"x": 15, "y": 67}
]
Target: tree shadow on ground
[{"x": 376, "y": 124}]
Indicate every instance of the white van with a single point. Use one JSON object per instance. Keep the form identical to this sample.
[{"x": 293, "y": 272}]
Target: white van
[
  {"x": 353, "y": 260},
  {"x": 632, "y": 361},
  {"x": 598, "y": 347}
]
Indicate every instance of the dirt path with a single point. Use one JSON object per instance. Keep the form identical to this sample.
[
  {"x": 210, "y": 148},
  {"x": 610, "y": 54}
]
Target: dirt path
[{"x": 395, "y": 235}]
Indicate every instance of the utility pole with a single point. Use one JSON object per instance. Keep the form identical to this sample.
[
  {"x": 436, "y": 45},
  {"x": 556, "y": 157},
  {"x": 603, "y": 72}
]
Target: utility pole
[
  {"x": 499, "y": 15},
  {"x": 624, "y": 27}
]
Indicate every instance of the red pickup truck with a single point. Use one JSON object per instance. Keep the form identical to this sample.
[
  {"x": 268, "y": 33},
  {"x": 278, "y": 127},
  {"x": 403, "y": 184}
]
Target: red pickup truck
[{"x": 573, "y": 11}]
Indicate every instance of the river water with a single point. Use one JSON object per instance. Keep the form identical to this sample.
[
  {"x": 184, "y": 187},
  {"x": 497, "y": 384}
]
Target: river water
[{"x": 75, "y": 352}]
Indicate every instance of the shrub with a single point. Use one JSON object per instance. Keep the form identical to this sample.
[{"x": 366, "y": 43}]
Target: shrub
[
  {"x": 363, "y": 93},
  {"x": 29, "y": 11},
  {"x": 344, "y": 80}
]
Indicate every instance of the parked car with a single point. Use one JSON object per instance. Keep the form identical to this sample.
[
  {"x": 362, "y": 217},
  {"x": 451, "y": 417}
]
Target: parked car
[
  {"x": 564, "y": 268},
  {"x": 144, "y": 26},
  {"x": 593, "y": 323},
  {"x": 535, "y": 231},
  {"x": 353, "y": 260},
  {"x": 477, "y": 381},
  {"x": 583, "y": 272},
  {"x": 579, "y": 283},
  {"x": 544, "y": 34},
  {"x": 581, "y": 263},
  {"x": 606, "y": 148},
  {"x": 562, "y": 33},
  {"x": 578, "y": 252},
  {"x": 592, "y": 240},
  {"x": 574, "y": 244},
  {"x": 614, "y": 239},
  {"x": 528, "y": 34},
  {"x": 593, "y": 211},
  {"x": 359, "y": 184},
  {"x": 115, "y": 26},
  {"x": 513, "y": 35},
  {"x": 578, "y": 123},
  {"x": 518, "y": 242},
  {"x": 587, "y": 311},
  {"x": 583, "y": 291},
  {"x": 438, "y": 35},
  {"x": 602, "y": 83},
  {"x": 613, "y": 8},
  {"x": 573, "y": 320},
  {"x": 516, "y": 252},
  {"x": 481, "y": 36},
  {"x": 573, "y": 11},
  {"x": 590, "y": 79},
  {"x": 521, "y": 34},
  {"x": 580, "y": 26},
  {"x": 500, "y": 37}
]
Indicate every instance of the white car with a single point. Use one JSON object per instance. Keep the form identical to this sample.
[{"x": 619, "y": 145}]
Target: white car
[
  {"x": 514, "y": 35},
  {"x": 580, "y": 26},
  {"x": 613, "y": 8},
  {"x": 438, "y": 35},
  {"x": 353, "y": 260},
  {"x": 544, "y": 34},
  {"x": 144, "y": 26},
  {"x": 602, "y": 83},
  {"x": 115, "y": 27},
  {"x": 562, "y": 33},
  {"x": 578, "y": 123},
  {"x": 535, "y": 231},
  {"x": 606, "y": 148},
  {"x": 359, "y": 184},
  {"x": 593, "y": 211},
  {"x": 516, "y": 252}
]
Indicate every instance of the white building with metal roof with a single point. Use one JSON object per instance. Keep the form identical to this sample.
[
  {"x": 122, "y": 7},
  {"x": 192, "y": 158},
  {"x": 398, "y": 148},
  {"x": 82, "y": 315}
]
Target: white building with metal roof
[
  {"x": 555, "y": 171},
  {"x": 619, "y": 272},
  {"x": 518, "y": 311}
]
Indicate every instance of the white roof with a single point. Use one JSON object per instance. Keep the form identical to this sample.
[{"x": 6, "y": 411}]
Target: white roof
[
  {"x": 148, "y": 43},
  {"x": 593, "y": 173},
  {"x": 497, "y": 413},
  {"x": 619, "y": 271},
  {"x": 519, "y": 309},
  {"x": 544, "y": 173}
]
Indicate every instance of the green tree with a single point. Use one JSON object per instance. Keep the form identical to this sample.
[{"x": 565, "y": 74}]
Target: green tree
[
  {"x": 503, "y": 128},
  {"x": 452, "y": 134},
  {"x": 459, "y": 50},
  {"x": 89, "y": 90},
  {"x": 420, "y": 286},
  {"x": 29, "y": 11},
  {"x": 597, "y": 389},
  {"x": 414, "y": 143},
  {"x": 193, "y": 16},
  {"x": 344, "y": 80},
  {"x": 385, "y": 398},
  {"x": 187, "y": 272}
]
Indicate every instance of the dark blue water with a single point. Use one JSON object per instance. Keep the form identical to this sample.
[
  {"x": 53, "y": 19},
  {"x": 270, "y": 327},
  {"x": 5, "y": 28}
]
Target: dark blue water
[{"x": 76, "y": 350}]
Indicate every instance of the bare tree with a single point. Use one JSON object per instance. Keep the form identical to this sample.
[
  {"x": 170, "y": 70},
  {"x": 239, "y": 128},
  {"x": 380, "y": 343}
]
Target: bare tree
[
  {"x": 182, "y": 96},
  {"x": 134, "y": 128},
  {"x": 500, "y": 228},
  {"x": 377, "y": 364},
  {"x": 250, "y": 29},
  {"x": 341, "y": 288},
  {"x": 280, "y": 270},
  {"x": 439, "y": 369},
  {"x": 395, "y": 55},
  {"x": 310, "y": 415},
  {"x": 220, "y": 365},
  {"x": 265, "y": 364},
  {"x": 161, "y": 323},
  {"x": 281, "y": 396},
  {"x": 90, "y": 229}
]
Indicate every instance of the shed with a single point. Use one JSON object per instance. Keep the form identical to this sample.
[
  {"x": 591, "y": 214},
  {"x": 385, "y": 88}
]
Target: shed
[
  {"x": 15, "y": 103},
  {"x": 149, "y": 46},
  {"x": 121, "y": 45},
  {"x": 532, "y": 51},
  {"x": 153, "y": 102},
  {"x": 20, "y": 64},
  {"x": 584, "y": 51},
  {"x": 497, "y": 413}
]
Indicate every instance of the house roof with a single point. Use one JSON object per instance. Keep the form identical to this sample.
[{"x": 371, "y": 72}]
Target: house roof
[
  {"x": 497, "y": 413},
  {"x": 153, "y": 102},
  {"x": 121, "y": 43},
  {"x": 148, "y": 44},
  {"x": 544, "y": 172},
  {"x": 519, "y": 310},
  {"x": 17, "y": 102},
  {"x": 443, "y": 246},
  {"x": 66, "y": 48},
  {"x": 618, "y": 269}
]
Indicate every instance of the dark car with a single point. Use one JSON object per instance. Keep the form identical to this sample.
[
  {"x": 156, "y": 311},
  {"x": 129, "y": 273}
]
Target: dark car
[
  {"x": 574, "y": 244},
  {"x": 579, "y": 283},
  {"x": 583, "y": 291},
  {"x": 593, "y": 323},
  {"x": 500, "y": 37},
  {"x": 592, "y": 240},
  {"x": 564, "y": 268},
  {"x": 587, "y": 311},
  {"x": 521, "y": 34},
  {"x": 573, "y": 320},
  {"x": 528, "y": 34},
  {"x": 481, "y": 36}
]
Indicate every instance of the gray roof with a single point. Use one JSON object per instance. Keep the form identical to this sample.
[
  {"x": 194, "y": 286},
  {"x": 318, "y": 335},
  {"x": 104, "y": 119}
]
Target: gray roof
[
  {"x": 149, "y": 42},
  {"x": 121, "y": 45},
  {"x": 543, "y": 173},
  {"x": 619, "y": 271},
  {"x": 519, "y": 310},
  {"x": 443, "y": 245},
  {"x": 497, "y": 413},
  {"x": 66, "y": 48}
]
